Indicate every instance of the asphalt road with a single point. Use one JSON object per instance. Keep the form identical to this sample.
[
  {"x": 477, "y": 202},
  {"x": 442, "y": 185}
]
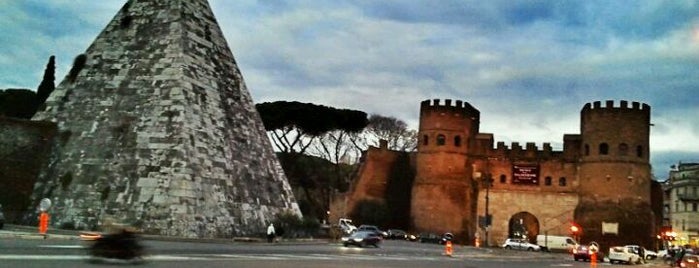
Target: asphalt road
[{"x": 67, "y": 251}]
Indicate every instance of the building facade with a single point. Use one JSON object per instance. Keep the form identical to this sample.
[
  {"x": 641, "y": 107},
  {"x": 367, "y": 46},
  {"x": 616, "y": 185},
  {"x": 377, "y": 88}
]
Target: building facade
[{"x": 682, "y": 204}]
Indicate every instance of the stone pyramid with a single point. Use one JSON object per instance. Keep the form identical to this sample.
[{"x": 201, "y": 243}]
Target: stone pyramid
[{"x": 158, "y": 130}]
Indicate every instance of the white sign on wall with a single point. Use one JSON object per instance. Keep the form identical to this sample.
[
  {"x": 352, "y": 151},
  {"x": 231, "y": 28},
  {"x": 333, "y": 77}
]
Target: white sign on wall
[{"x": 610, "y": 228}]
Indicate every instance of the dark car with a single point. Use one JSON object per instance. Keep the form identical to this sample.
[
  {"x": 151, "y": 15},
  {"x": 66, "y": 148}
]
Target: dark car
[
  {"x": 397, "y": 234},
  {"x": 434, "y": 238},
  {"x": 583, "y": 253},
  {"x": 362, "y": 239},
  {"x": 372, "y": 228},
  {"x": 2, "y": 218}
]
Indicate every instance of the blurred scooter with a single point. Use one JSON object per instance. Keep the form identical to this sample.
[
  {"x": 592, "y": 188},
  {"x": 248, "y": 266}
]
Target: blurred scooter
[{"x": 122, "y": 245}]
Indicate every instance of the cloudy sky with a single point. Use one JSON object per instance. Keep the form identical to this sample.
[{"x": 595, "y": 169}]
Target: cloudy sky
[{"x": 528, "y": 66}]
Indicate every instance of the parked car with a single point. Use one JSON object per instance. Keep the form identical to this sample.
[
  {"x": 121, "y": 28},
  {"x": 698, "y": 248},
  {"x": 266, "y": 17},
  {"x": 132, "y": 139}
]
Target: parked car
[
  {"x": 362, "y": 239},
  {"x": 2, "y": 218},
  {"x": 690, "y": 261},
  {"x": 642, "y": 252},
  {"x": 623, "y": 254},
  {"x": 434, "y": 238},
  {"x": 372, "y": 228},
  {"x": 584, "y": 253},
  {"x": 517, "y": 243},
  {"x": 396, "y": 234},
  {"x": 651, "y": 255}
]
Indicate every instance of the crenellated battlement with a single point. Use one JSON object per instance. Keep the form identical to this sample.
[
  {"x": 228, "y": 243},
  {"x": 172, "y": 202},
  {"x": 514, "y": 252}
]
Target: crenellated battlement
[
  {"x": 530, "y": 150},
  {"x": 609, "y": 105},
  {"x": 460, "y": 107}
]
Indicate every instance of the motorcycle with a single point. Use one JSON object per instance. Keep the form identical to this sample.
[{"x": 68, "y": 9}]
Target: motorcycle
[{"x": 123, "y": 245}]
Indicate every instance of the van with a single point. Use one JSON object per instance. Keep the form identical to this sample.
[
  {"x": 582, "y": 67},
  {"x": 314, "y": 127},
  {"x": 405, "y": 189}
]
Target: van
[{"x": 556, "y": 242}]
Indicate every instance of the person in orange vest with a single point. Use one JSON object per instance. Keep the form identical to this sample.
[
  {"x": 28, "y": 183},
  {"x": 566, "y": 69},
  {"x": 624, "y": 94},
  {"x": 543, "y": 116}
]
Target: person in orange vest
[{"x": 43, "y": 223}]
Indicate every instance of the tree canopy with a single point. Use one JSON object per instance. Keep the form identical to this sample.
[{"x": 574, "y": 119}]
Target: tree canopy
[
  {"x": 47, "y": 84},
  {"x": 294, "y": 125},
  {"x": 18, "y": 103}
]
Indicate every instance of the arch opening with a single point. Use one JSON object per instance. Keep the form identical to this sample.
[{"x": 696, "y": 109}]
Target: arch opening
[{"x": 523, "y": 225}]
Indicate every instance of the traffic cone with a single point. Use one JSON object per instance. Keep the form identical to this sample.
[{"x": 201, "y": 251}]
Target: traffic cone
[
  {"x": 448, "y": 249},
  {"x": 478, "y": 242},
  {"x": 593, "y": 259},
  {"x": 43, "y": 223}
]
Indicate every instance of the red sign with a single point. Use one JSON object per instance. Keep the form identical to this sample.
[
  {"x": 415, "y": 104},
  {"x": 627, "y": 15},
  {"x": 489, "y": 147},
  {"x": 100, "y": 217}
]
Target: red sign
[{"x": 525, "y": 174}]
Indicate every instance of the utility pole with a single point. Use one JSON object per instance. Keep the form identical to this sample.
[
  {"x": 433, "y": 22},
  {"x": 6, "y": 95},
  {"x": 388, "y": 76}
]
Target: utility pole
[{"x": 487, "y": 203}]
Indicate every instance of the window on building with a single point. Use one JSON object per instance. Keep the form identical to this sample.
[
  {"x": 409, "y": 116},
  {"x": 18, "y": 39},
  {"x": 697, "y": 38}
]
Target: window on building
[
  {"x": 425, "y": 140},
  {"x": 457, "y": 141},
  {"x": 677, "y": 207},
  {"x": 623, "y": 149},
  {"x": 603, "y": 149},
  {"x": 441, "y": 140},
  {"x": 694, "y": 207},
  {"x": 587, "y": 149},
  {"x": 547, "y": 181},
  {"x": 639, "y": 151},
  {"x": 562, "y": 181},
  {"x": 685, "y": 207},
  {"x": 503, "y": 179}
]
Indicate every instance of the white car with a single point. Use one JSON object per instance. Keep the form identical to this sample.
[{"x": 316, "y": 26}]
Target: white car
[
  {"x": 516, "y": 243},
  {"x": 623, "y": 255},
  {"x": 651, "y": 255},
  {"x": 647, "y": 254}
]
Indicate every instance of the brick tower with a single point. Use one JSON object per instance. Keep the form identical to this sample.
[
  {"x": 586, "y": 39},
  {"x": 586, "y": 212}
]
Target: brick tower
[
  {"x": 443, "y": 198},
  {"x": 615, "y": 173},
  {"x": 158, "y": 130},
  {"x": 615, "y": 161}
]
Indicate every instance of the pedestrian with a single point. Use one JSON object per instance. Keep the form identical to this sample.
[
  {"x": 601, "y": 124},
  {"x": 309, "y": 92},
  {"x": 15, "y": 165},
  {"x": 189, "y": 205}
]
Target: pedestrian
[
  {"x": 678, "y": 256},
  {"x": 270, "y": 233}
]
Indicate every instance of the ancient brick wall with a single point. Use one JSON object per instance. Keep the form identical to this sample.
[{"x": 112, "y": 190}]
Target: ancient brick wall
[
  {"x": 449, "y": 189},
  {"x": 385, "y": 176},
  {"x": 553, "y": 212}
]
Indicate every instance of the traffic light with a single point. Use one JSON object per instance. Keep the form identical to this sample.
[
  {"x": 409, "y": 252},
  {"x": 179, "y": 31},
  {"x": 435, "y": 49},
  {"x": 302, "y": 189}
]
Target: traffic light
[{"x": 574, "y": 229}]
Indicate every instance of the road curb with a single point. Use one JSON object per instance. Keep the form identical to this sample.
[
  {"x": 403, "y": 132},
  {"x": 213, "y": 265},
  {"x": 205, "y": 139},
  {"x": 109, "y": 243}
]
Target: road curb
[{"x": 29, "y": 232}]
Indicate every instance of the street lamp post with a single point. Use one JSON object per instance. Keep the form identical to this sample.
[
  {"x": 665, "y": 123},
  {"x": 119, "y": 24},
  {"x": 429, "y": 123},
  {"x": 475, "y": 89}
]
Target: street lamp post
[{"x": 487, "y": 203}]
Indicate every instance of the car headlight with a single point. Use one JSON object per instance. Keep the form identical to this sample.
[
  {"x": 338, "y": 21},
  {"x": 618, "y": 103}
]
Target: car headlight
[
  {"x": 357, "y": 240},
  {"x": 345, "y": 239}
]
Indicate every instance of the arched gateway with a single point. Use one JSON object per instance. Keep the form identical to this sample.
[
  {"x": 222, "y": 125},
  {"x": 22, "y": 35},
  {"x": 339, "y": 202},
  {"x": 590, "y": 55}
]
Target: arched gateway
[{"x": 523, "y": 225}]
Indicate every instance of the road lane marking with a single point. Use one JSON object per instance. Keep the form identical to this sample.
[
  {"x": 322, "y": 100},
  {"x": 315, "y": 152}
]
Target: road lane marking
[{"x": 60, "y": 246}]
